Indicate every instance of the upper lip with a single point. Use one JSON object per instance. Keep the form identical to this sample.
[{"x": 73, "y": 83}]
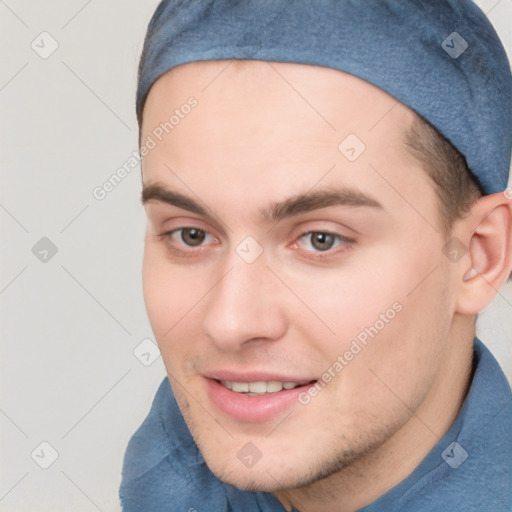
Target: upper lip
[{"x": 237, "y": 376}]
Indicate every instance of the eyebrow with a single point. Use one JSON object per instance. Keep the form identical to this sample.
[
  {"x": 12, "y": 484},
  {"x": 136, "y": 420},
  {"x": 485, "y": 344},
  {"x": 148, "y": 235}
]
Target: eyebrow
[
  {"x": 295, "y": 205},
  {"x": 157, "y": 192},
  {"x": 315, "y": 200}
]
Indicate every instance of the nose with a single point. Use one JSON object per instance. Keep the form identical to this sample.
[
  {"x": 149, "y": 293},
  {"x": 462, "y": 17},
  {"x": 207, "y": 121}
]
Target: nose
[{"x": 244, "y": 306}]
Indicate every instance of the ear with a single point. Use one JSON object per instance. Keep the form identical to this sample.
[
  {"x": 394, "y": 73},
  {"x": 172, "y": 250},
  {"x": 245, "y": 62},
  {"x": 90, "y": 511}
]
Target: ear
[{"x": 487, "y": 234}]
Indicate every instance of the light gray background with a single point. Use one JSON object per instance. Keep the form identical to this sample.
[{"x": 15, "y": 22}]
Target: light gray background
[{"x": 70, "y": 325}]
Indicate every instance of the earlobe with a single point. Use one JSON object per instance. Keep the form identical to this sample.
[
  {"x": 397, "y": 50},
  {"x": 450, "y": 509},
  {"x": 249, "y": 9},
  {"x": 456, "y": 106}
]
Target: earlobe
[{"x": 489, "y": 243}]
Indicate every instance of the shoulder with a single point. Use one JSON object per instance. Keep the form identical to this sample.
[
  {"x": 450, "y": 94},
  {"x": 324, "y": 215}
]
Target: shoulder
[
  {"x": 474, "y": 471},
  {"x": 162, "y": 468},
  {"x": 147, "y": 447}
]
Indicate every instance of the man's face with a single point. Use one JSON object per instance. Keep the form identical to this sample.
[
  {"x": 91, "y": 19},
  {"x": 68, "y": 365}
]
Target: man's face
[{"x": 291, "y": 260}]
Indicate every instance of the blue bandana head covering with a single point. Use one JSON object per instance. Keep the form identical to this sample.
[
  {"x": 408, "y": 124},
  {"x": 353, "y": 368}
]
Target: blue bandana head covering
[{"x": 442, "y": 59}]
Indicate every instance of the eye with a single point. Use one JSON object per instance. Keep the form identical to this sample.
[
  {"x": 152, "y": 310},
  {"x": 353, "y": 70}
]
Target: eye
[
  {"x": 322, "y": 241},
  {"x": 183, "y": 241},
  {"x": 192, "y": 236}
]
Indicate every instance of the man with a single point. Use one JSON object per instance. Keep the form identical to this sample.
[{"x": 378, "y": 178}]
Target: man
[{"x": 325, "y": 186}]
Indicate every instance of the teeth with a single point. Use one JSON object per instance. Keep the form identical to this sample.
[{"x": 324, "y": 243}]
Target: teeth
[
  {"x": 240, "y": 387},
  {"x": 274, "y": 386},
  {"x": 258, "y": 388}
]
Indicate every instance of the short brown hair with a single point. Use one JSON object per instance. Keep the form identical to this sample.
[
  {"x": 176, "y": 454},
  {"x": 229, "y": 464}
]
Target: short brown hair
[{"x": 457, "y": 188}]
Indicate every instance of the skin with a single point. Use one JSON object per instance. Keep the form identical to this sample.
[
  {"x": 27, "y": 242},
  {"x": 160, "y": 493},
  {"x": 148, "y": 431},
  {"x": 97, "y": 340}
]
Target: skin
[{"x": 260, "y": 134}]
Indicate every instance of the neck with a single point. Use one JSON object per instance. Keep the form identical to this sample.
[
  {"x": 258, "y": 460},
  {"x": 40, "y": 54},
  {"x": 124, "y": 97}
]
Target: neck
[{"x": 371, "y": 476}]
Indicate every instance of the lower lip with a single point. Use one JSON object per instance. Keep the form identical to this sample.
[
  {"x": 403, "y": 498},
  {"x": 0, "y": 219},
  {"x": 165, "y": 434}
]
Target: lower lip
[{"x": 252, "y": 409}]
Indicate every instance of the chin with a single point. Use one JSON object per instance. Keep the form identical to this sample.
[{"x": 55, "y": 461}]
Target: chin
[
  {"x": 254, "y": 479},
  {"x": 275, "y": 472},
  {"x": 293, "y": 456}
]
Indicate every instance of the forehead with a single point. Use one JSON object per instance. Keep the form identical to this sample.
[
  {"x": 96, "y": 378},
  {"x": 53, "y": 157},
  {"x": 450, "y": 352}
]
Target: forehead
[
  {"x": 266, "y": 128},
  {"x": 279, "y": 91}
]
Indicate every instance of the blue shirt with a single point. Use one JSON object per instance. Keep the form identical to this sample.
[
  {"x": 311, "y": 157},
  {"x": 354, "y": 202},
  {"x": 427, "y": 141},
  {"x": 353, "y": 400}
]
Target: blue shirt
[{"x": 469, "y": 470}]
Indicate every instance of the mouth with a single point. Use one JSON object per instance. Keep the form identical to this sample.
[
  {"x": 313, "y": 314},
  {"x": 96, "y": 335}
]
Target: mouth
[
  {"x": 255, "y": 401},
  {"x": 261, "y": 387}
]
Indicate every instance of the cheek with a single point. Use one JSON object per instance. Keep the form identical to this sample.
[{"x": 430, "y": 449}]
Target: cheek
[
  {"x": 156, "y": 287},
  {"x": 170, "y": 297},
  {"x": 339, "y": 305},
  {"x": 373, "y": 317},
  {"x": 401, "y": 364}
]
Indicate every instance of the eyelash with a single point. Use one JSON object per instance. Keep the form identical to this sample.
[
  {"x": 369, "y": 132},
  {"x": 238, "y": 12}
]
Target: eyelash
[
  {"x": 344, "y": 244},
  {"x": 344, "y": 241},
  {"x": 167, "y": 236}
]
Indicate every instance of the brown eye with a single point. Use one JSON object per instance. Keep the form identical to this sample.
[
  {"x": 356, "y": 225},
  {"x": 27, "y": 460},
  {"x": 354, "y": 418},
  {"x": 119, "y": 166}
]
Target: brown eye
[
  {"x": 192, "y": 236},
  {"x": 323, "y": 244},
  {"x": 322, "y": 241}
]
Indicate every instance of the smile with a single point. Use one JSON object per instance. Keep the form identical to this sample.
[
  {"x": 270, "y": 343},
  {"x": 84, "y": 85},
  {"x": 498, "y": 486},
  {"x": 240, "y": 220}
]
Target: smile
[
  {"x": 256, "y": 401},
  {"x": 260, "y": 387}
]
